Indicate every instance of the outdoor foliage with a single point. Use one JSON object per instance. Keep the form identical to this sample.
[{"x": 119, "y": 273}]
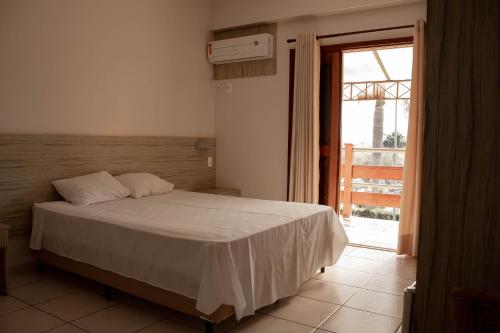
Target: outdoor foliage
[
  {"x": 389, "y": 140},
  {"x": 374, "y": 213}
]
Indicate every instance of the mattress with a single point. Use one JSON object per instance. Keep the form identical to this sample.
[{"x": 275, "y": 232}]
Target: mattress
[{"x": 216, "y": 249}]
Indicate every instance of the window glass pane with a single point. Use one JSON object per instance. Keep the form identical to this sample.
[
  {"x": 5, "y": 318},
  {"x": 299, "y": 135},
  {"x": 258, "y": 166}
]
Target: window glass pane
[{"x": 375, "y": 122}]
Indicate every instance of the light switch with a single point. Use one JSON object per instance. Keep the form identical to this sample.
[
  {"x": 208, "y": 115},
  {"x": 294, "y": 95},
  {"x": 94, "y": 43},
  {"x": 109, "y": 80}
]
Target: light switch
[{"x": 210, "y": 161}]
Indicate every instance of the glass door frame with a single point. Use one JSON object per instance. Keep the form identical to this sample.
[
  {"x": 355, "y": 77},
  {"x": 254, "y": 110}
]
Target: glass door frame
[{"x": 333, "y": 54}]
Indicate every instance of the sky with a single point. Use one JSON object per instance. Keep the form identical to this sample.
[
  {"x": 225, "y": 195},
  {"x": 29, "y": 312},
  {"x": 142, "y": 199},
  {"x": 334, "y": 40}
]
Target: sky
[{"x": 362, "y": 65}]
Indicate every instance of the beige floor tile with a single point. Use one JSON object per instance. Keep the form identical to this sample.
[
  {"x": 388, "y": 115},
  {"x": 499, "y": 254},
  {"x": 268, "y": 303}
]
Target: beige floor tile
[
  {"x": 302, "y": 310},
  {"x": 158, "y": 310},
  {"x": 264, "y": 324},
  {"x": 22, "y": 279},
  {"x": 374, "y": 301},
  {"x": 394, "y": 268},
  {"x": 347, "y": 320},
  {"x": 382, "y": 233},
  {"x": 359, "y": 264},
  {"x": 175, "y": 316},
  {"x": 168, "y": 326},
  {"x": 75, "y": 305},
  {"x": 405, "y": 260},
  {"x": 372, "y": 254},
  {"x": 9, "y": 304},
  {"x": 344, "y": 276},
  {"x": 356, "y": 238},
  {"x": 388, "y": 284},
  {"x": 41, "y": 291},
  {"x": 227, "y": 325},
  {"x": 197, "y": 324},
  {"x": 382, "y": 243},
  {"x": 348, "y": 250},
  {"x": 119, "y": 318},
  {"x": 68, "y": 328},
  {"x": 184, "y": 319},
  {"x": 327, "y": 291},
  {"x": 28, "y": 320}
]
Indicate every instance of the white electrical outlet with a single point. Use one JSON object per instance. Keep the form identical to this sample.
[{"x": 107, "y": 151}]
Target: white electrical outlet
[{"x": 210, "y": 161}]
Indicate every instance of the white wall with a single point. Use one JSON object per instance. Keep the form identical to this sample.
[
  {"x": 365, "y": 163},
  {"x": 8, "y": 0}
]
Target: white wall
[
  {"x": 125, "y": 67},
  {"x": 230, "y": 13},
  {"x": 252, "y": 121},
  {"x": 114, "y": 67}
]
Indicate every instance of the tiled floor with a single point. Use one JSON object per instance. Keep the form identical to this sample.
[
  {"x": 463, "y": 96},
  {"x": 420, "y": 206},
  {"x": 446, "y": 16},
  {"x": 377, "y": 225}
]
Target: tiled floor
[
  {"x": 371, "y": 232},
  {"x": 362, "y": 293}
]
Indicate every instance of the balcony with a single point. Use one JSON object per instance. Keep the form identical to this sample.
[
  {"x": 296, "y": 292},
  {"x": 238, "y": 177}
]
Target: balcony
[
  {"x": 371, "y": 194},
  {"x": 371, "y": 232}
]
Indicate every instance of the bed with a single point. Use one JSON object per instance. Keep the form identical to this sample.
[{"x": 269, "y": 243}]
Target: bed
[{"x": 206, "y": 255}]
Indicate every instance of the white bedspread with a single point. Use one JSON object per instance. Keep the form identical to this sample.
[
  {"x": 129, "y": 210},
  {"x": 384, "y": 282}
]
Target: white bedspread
[{"x": 216, "y": 249}]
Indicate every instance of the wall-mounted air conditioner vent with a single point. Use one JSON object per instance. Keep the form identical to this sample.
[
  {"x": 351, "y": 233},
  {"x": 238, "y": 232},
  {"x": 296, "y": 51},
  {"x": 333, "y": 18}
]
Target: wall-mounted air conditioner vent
[{"x": 246, "y": 48}]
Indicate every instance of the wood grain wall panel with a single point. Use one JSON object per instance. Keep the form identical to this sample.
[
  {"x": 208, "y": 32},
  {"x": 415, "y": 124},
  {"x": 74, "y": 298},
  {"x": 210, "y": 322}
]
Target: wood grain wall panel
[
  {"x": 29, "y": 163},
  {"x": 248, "y": 68},
  {"x": 459, "y": 243}
]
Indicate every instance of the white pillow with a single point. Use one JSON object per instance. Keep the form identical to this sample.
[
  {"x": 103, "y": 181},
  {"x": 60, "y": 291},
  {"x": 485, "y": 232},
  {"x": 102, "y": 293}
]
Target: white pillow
[
  {"x": 90, "y": 189},
  {"x": 143, "y": 184}
]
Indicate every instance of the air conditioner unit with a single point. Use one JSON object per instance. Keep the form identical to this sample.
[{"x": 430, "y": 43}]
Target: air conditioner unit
[{"x": 246, "y": 48}]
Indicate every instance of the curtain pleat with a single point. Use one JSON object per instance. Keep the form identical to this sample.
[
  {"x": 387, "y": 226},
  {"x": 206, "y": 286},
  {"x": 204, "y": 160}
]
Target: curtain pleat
[
  {"x": 304, "y": 152},
  {"x": 412, "y": 173}
]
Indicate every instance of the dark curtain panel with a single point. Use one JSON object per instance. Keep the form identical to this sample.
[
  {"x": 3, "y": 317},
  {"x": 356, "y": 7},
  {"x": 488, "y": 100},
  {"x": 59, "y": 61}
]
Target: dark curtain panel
[
  {"x": 333, "y": 180},
  {"x": 330, "y": 127},
  {"x": 325, "y": 102},
  {"x": 460, "y": 212}
]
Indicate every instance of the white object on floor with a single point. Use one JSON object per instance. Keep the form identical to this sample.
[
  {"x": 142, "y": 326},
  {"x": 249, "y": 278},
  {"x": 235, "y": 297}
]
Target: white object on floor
[{"x": 407, "y": 307}]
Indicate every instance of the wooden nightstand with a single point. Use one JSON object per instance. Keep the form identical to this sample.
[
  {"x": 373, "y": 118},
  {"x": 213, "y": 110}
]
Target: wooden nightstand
[
  {"x": 4, "y": 237},
  {"x": 221, "y": 191}
]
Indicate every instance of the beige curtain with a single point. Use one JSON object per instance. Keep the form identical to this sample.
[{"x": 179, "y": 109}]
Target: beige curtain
[
  {"x": 304, "y": 151},
  {"x": 412, "y": 174}
]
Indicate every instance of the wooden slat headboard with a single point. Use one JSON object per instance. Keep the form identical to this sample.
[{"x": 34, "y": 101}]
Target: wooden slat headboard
[{"x": 29, "y": 163}]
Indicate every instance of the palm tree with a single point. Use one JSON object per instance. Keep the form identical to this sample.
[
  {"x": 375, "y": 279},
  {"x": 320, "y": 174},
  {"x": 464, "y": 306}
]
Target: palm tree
[
  {"x": 378, "y": 114},
  {"x": 378, "y": 130}
]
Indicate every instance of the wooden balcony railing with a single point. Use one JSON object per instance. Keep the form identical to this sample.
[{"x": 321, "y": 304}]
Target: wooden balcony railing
[{"x": 350, "y": 172}]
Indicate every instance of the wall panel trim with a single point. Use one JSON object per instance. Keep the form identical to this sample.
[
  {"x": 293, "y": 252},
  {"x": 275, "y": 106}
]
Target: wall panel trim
[{"x": 29, "y": 163}]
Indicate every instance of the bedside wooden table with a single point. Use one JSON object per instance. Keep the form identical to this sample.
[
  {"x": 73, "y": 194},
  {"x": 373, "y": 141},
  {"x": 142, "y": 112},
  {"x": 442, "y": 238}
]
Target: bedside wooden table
[
  {"x": 221, "y": 191},
  {"x": 4, "y": 237}
]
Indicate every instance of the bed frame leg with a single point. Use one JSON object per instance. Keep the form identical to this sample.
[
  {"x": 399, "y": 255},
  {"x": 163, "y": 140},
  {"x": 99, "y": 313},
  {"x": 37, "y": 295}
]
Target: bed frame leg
[
  {"x": 323, "y": 269},
  {"x": 107, "y": 293},
  {"x": 40, "y": 266},
  {"x": 209, "y": 326}
]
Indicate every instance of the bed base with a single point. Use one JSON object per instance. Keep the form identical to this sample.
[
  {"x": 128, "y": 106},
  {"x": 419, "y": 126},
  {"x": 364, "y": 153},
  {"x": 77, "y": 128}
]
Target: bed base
[{"x": 134, "y": 287}]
